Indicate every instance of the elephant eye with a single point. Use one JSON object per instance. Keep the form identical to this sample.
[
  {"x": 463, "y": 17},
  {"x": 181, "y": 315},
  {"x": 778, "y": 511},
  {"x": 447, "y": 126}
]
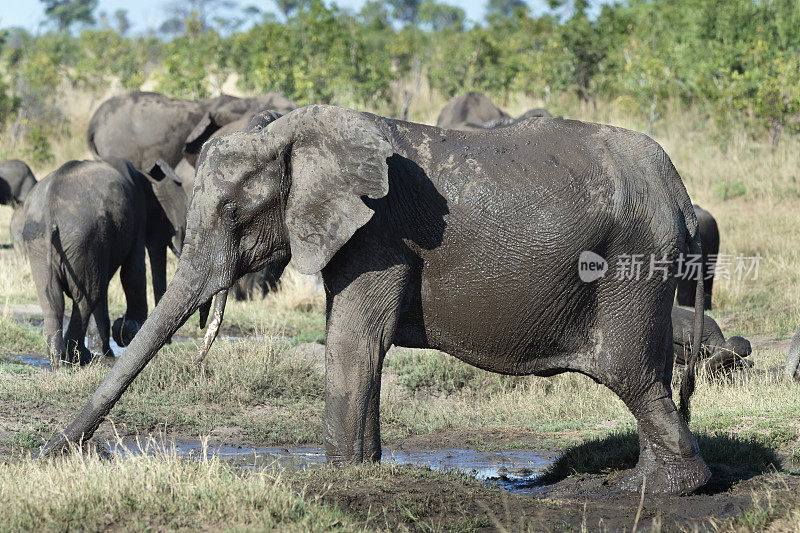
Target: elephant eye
[{"x": 229, "y": 212}]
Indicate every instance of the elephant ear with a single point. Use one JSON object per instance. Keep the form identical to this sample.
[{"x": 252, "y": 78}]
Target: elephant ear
[
  {"x": 262, "y": 119},
  {"x": 337, "y": 156},
  {"x": 199, "y": 135},
  {"x": 169, "y": 193}
]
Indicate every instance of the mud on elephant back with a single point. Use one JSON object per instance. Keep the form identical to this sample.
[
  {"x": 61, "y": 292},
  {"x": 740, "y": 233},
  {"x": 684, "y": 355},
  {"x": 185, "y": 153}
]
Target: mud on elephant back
[
  {"x": 82, "y": 223},
  {"x": 410, "y": 238}
]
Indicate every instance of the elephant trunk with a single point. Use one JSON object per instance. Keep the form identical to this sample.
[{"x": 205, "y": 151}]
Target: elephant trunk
[
  {"x": 181, "y": 300},
  {"x": 213, "y": 327},
  {"x": 792, "y": 368}
]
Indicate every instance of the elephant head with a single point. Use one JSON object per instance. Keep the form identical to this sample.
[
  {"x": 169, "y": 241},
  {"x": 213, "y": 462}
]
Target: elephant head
[{"x": 292, "y": 189}]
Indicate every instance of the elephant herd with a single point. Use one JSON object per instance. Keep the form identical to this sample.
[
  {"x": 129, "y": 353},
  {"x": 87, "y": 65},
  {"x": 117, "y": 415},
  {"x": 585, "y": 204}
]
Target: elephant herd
[{"x": 415, "y": 229}]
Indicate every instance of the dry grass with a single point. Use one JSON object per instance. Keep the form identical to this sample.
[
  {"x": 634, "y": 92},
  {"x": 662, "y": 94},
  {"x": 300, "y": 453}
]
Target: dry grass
[
  {"x": 752, "y": 191},
  {"x": 154, "y": 492}
]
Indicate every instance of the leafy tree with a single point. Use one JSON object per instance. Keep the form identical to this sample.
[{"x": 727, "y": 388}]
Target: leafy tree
[
  {"x": 123, "y": 24},
  {"x": 8, "y": 104},
  {"x": 289, "y": 7},
  {"x": 66, "y": 13},
  {"x": 375, "y": 14},
  {"x": 405, "y": 11},
  {"x": 441, "y": 16},
  {"x": 201, "y": 11},
  {"x": 194, "y": 63},
  {"x": 504, "y": 8}
]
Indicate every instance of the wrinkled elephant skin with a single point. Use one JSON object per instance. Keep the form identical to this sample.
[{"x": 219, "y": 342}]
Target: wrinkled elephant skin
[{"x": 415, "y": 228}]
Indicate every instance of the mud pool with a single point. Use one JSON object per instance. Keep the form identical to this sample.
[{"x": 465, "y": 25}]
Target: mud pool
[{"x": 511, "y": 470}]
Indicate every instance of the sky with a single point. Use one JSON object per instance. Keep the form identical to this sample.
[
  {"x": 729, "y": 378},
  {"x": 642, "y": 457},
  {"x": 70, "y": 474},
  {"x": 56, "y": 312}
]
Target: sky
[{"x": 149, "y": 14}]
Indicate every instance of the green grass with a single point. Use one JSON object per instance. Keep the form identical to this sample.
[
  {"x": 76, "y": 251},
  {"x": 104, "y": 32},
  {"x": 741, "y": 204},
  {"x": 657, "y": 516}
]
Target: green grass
[
  {"x": 161, "y": 493},
  {"x": 20, "y": 338}
]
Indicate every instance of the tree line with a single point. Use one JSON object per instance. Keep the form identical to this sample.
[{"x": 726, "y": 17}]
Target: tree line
[{"x": 741, "y": 58}]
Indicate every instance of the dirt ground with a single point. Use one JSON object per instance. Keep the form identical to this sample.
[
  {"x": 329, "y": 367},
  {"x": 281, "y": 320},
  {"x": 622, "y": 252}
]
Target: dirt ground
[{"x": 565, "y": 500}]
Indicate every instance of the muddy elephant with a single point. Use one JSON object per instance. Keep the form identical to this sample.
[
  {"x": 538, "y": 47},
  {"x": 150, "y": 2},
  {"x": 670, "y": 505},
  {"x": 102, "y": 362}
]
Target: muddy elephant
[
  {"x": 474, "y": 111},
  {"x": 709, "y": 233},
  {"x": 253, "y": 284},
  {"x": 206, "y": 130},
  {"x": 415, "y": 228},
  {"x": 16, "y": 181},
  {"x": 144, "y": 126},
  {"x": 718, "y": 355},
  {"x": 82, "y": 223}
]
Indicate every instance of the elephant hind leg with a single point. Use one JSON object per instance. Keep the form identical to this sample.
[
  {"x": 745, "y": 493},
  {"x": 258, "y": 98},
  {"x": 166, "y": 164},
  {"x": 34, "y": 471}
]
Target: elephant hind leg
[
  {"x": 51, "y": 298},
  {"x": 100, "y": 328},
  {"x": 637, "y": 369},
  {"x": 77, "y": 352}
]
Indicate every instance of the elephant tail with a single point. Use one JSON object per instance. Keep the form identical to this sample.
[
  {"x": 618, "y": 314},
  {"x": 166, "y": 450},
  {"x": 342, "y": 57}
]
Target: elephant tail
[
  {"x": 688, "y": 381},
  {"x": 90, "y": 141},
  {"x": 52, "y": 239}
]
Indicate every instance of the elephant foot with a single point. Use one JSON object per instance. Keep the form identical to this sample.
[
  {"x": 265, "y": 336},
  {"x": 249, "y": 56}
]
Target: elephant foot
[
  {"x": 124, "y": 330},
  {"x": 665, "y": 477}
]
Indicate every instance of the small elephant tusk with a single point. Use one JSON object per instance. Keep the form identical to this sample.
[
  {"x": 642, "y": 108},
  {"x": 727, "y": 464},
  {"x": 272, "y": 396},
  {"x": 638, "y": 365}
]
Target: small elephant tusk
[{"x": 213, "y": 326}]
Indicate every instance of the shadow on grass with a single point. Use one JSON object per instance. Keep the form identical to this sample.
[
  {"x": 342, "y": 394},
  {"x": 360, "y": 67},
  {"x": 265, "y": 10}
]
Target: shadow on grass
[{"x": 731, "y": 459}]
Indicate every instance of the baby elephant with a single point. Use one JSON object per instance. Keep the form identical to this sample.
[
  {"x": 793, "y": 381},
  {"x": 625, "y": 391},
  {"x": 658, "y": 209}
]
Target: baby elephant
[
  {"x": 83, "y": 222},
  {"x": 719, "y": 356}
]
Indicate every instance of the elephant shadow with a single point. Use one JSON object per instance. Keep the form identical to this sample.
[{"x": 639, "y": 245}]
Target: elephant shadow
[{"x": 731, "y": 459}]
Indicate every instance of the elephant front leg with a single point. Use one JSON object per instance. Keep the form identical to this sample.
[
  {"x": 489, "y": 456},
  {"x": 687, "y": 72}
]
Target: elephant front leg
[
  {"x": 352, "y": 394},
  {"x": 362, "y": 316}
]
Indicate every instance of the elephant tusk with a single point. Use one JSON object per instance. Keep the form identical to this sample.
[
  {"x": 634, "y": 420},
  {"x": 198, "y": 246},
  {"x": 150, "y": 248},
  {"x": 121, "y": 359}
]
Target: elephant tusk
[{"x": 213, "y": 326}]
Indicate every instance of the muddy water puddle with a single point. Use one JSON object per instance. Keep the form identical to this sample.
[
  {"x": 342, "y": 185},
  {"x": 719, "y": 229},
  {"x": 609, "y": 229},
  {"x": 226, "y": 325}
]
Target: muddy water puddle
[{"x": 512, "y": 470}]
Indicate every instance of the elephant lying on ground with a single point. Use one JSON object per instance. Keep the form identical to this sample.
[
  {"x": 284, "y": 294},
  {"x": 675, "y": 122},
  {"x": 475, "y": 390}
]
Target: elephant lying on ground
[
  {"x": 709, "y": 233},
  {"x": 84, "y": 221},
  {"x": 474, "y": 111},
  {"x": 718, "y": 355},
  {"x": 16, "y": 181},
  {"x": 142, "y": 126},
  {"x": 414, "y": 229}
]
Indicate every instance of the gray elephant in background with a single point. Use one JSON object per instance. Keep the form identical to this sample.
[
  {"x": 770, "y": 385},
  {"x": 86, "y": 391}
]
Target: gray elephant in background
[
  {"x": 474, "y": 111},
  {"x": 719, "y": 356},
  {"x": 416, "y": 228},
  {"x": 16, "y": 181},
  {"x": 709, "y": 234},
  {"x": 144, "y": 126},
  {"x": 82, "y": 223}
]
